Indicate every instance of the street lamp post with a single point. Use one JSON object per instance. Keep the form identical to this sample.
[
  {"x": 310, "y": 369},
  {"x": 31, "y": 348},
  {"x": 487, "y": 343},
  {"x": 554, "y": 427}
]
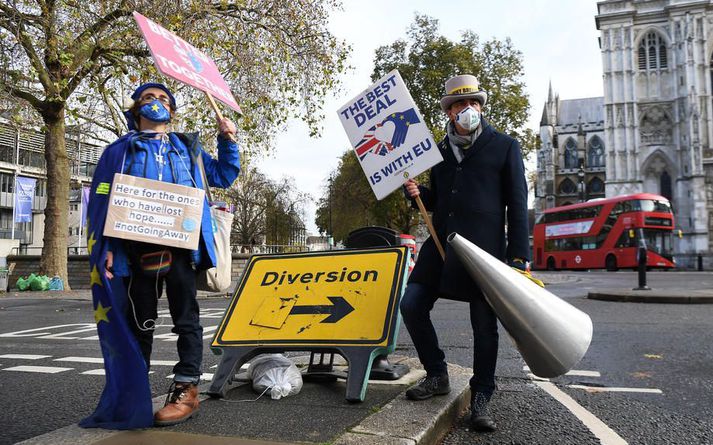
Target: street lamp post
[{"x": 581, "y": 187}]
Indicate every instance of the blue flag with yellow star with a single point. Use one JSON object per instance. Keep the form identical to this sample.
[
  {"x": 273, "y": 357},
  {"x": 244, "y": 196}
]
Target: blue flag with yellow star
[{"x": 125, "y": 402}]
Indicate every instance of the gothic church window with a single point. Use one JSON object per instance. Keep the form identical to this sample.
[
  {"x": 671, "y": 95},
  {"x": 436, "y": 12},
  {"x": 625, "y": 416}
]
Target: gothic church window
[
  {"x": 652, "y": 52},
  {"x": 570, "y": 154},
  {"x": 567, "y": 187},
  {"x": 666, "y": 185},
  {"x": 596, "y": 185},
  {"x": 595, "y": 153}
]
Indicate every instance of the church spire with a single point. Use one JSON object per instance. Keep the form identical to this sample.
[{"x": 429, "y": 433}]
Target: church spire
[
  {"x": 545, "y": 120},
  {"x": 549, "y": 94}
]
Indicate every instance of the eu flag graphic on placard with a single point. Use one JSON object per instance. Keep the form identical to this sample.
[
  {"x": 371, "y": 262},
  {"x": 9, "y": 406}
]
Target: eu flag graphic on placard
[
  {"x": 125, "y": 402},
  {"x": 380, "y": 139}
]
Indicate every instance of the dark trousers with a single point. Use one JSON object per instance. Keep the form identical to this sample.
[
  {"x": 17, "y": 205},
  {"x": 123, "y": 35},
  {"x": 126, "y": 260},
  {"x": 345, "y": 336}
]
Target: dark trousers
[
  {"x": 416, "y": 306},
  {"x": 143, "y": 292}
]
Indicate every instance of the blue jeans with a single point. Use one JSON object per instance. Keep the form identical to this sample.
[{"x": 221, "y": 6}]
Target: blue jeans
[
  {"x": 143, "y": 292},
  {"x": 416, "y": 306}
]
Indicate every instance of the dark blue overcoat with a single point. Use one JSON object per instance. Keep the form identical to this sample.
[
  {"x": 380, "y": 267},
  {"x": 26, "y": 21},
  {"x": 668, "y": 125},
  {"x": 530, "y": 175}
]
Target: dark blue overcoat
[{"x": 474, "y": 199}]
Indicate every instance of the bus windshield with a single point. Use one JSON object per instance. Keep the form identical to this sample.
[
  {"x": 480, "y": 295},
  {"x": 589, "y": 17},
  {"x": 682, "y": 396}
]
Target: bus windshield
[
  {"x": 650, "y": 205},
  {"x": 659, "y": 241}
]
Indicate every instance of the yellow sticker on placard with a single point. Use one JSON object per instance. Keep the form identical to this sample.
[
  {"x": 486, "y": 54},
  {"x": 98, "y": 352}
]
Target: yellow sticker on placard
[{"x": 103, "y": 188}]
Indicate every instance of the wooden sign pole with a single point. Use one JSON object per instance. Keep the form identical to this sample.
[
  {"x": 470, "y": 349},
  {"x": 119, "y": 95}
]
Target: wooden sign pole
[
  {"x": 431, "y": 230},
  {"x": 217, "y": 112}
]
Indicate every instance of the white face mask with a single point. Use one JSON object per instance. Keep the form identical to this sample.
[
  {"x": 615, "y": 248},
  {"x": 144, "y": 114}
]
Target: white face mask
[{"x": 468, "y": 118}]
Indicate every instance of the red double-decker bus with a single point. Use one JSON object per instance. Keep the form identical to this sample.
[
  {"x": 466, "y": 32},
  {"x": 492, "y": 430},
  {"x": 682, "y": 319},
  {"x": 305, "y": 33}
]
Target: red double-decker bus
[{"x": 605, "y": 233}]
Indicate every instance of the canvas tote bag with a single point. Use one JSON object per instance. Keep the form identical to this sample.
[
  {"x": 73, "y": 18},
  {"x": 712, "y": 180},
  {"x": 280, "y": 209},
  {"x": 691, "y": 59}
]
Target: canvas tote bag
[{"x": 218, "y": 278}]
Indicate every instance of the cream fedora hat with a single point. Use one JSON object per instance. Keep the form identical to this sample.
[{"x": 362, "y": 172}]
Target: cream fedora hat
[{"x": 465, "y": 86}]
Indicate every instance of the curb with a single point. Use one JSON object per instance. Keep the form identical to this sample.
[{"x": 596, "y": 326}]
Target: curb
[
  {"x": 405, "y": 422},
  {"x": 672, "y": 297}
]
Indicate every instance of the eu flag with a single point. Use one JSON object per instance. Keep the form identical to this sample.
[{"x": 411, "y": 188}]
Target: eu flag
[{"x": 125, "y": 402}]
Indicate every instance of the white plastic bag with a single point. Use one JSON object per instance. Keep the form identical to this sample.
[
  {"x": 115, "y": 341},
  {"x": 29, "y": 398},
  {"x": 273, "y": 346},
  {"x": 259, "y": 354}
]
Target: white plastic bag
[{"x": 276, "y": 373}]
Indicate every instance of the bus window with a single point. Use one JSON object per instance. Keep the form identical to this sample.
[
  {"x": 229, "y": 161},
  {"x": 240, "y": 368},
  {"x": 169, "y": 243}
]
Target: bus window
[
  {"x": 650, "y": 205},
  {"x": 658, "y": 241},
  {"x": 625, "y": 240}
]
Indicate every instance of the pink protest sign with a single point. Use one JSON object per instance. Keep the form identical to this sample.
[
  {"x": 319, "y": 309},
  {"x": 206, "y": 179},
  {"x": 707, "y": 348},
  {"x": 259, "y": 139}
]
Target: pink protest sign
[{"x": 176, "y": 58}]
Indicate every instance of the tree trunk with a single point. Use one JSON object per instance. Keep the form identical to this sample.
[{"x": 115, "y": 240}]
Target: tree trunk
[{"x": 54, "y": 252}]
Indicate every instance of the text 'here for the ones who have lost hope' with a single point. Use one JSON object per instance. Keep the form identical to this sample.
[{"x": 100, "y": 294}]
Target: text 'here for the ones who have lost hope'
[{"x": 154, "y": 211}]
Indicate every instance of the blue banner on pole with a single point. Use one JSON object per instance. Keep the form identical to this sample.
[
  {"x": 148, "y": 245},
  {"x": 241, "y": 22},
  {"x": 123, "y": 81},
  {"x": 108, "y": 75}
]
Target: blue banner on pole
[
  {"x": 24, "y": 194},
  {"x": 85, "y": 202}
]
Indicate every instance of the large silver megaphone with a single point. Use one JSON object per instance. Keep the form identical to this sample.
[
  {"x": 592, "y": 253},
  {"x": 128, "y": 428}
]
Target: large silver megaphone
[{"x": 551, "y": 334}]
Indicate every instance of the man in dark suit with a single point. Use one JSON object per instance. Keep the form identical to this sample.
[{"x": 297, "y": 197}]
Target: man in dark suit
[{"x": 479, "y": 186}]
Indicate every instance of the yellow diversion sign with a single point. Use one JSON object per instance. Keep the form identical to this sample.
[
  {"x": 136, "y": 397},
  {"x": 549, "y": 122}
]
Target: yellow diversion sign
[{"x": 334, "y": 298}]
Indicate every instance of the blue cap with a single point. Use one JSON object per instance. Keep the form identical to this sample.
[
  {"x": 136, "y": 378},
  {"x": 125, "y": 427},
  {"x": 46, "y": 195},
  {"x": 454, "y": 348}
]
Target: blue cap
[{"x": 144, "y": 87}]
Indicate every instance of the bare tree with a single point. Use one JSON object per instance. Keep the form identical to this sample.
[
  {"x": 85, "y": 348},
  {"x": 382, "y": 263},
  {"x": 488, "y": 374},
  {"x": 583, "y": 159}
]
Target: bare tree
[{"x": 267, "y": 210}]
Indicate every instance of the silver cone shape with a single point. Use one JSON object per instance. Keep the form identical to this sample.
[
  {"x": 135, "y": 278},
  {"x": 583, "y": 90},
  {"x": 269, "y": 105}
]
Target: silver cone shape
[{"x": 551, "y": 334}]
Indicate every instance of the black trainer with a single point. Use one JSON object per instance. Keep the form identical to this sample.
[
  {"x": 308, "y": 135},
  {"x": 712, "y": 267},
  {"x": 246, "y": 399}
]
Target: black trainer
[
  {"x": 430, "y": 386},
  {"x": 480, "y": 419}
]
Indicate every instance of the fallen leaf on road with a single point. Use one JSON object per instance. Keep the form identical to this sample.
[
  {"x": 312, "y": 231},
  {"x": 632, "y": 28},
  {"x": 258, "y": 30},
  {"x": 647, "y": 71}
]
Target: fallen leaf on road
[{"x": 654, "y": 356}]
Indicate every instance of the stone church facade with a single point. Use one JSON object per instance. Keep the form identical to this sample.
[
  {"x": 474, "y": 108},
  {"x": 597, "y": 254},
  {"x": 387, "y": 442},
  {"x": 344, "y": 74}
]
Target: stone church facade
[{"x": 656, "y": 115}]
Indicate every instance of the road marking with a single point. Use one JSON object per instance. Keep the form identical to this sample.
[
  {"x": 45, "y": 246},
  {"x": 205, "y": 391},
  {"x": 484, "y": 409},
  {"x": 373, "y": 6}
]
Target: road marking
[
  {"x": 100, "y": 372},
  {"x": 101, "y": 360},
  {"x": 211, "y": 330},
  {"x": 206, "y": 376},
  {"x": 25, "y": 356},
  {"x": 40, "y": 369},
  {"x": 41, "y": 331},
  {"x": 90, "y": 327},
  {"x": 606, "y": 435},
  {"x": 539, "y": 379},
  {"x": 616, "y": 389},
  {"x": 163, "y": 362},
  {"x": 583, "y": 373},
  {"x": 80, "y": 359},
  {"x": 573, "y": 372}
]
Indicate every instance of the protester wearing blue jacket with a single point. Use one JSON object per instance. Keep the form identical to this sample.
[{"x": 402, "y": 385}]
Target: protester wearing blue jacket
[{"x": 134, "y": 273}]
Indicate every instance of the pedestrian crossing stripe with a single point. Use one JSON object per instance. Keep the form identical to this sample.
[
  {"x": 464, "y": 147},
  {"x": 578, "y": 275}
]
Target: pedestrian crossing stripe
[
  {"x": 40, "y": 369},
  {"x": 25, "y": 356}
]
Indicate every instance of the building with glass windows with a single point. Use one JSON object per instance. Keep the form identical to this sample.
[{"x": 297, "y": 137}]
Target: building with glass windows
[
  {"x": 656, "y": 117},
  {"x": 22, "y": 154}
]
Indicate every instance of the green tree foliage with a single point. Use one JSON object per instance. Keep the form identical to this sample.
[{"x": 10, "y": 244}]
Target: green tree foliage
[
  {"x": 349, "y": 203},
  {"x": 427, "y": 59},
  {"x": 74, "y": 61}
]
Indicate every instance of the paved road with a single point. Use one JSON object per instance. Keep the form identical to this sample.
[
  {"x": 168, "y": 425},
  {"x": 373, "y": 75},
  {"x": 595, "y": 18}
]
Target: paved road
[
  {"x": 641, "y": 346},
  {"x": 50, "y": 362}
]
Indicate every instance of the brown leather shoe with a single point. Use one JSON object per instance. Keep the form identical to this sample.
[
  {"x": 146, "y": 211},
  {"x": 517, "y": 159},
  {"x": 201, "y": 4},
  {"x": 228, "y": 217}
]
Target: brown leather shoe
[{"x": 181, "y": 404}]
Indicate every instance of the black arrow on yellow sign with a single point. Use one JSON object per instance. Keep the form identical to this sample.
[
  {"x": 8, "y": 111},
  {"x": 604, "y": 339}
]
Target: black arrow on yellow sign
[{"x": 339, "y": 309}]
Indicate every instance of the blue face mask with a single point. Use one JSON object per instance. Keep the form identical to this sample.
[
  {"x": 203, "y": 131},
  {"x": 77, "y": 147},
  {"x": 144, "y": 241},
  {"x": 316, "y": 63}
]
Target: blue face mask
[{"x": 155, "y": 112}]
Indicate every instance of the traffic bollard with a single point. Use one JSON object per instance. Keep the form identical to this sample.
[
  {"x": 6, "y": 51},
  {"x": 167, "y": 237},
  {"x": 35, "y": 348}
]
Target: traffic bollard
[{"x": 642, "y": 270}]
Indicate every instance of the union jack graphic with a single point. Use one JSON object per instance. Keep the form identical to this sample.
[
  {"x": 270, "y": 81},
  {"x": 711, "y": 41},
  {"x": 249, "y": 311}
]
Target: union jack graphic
[{"x": 402, "y": 122}]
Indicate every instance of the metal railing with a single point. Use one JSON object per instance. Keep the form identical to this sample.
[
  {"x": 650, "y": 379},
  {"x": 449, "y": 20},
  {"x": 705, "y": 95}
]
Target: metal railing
[
  {"x": 34, "y": 250},
  {"x": 264, "y": 248}
]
